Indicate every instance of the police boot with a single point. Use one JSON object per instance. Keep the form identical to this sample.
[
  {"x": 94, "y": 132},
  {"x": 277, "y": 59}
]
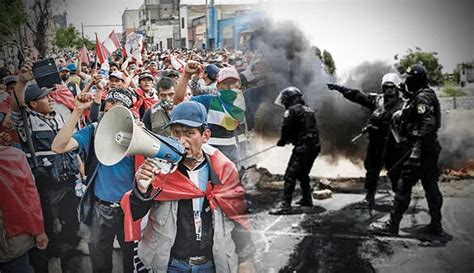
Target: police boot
[
  {"x": 306, "y": 199},
  {"x": 369, "y": 199},
  {"x": 283, "y": 208},
  {"x": 434, "y": 229},
  {"x": 305, "y": 202},
  {"x": 389, "y": 228}
]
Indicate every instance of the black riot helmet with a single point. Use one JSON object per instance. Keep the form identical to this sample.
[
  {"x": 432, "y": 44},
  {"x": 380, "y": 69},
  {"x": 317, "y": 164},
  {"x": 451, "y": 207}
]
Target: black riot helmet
[
  {"x": 416, "y": 78},
  {"x": 286, "y": 96}
]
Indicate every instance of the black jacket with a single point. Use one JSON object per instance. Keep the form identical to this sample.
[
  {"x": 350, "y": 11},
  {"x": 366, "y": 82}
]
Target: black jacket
[
  {"x": 421, "y": 119},
  {"x": 299, "y": 126}
]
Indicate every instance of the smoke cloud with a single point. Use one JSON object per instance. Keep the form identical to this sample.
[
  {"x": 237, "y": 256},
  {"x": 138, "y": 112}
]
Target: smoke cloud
[{"x": 456, "y": 137}]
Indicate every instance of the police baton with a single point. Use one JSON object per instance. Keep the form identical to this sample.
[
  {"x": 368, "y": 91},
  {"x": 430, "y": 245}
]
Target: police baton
[
  {"x": 257, "y": 153},
  {"x": 363, "y": 131},
  {"x": 357, "y": 137}
]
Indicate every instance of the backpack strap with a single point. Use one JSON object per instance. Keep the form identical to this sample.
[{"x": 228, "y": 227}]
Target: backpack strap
[{"x": 92, "y": 162}]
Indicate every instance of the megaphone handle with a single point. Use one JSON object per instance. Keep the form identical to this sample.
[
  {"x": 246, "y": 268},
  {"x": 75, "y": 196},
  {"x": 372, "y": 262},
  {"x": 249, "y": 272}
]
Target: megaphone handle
[
  {"x": 155, "y": 191},
  {"x": 144, "y": 183}
]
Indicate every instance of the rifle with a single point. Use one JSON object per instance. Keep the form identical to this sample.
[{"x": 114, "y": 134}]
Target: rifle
[{"x": 26, "y": 124}]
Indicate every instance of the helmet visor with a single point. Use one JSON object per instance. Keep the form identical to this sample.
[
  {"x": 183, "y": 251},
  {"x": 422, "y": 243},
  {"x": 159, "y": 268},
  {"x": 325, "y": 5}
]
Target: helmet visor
[{"x": 278, "y": 101}]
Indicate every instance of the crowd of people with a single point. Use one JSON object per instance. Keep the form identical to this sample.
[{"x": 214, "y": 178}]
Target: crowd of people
[
  {"x": 55, "y": 127},
  {"x": 193, "y": 217}
]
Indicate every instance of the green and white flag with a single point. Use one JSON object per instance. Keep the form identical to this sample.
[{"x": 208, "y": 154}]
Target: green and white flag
[{"x": 227, "y": 109}]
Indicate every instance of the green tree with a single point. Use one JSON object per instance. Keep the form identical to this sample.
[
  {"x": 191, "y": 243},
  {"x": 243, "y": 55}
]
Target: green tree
[
  {"x": 65, "y": 37},
  {"x": 329, "y": 62},
  {"x": 12, "y": 16},
  {"x": 70, "y": 37},
  {"x": 85, "y": 42},
  {"x": 428, "y": 59}
]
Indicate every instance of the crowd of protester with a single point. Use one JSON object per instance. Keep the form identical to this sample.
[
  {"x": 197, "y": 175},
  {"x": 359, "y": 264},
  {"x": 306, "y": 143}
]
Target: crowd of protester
[{"x": 39, "y": 125}]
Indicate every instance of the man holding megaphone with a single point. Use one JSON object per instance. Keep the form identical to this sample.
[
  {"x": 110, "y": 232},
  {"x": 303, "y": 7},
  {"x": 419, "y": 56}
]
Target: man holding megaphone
[
  {"x": 100, "y": 208},
  {"x": 197, "y": 212}
]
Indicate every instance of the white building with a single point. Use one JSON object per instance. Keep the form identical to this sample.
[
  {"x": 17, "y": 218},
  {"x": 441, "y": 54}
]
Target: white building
[
  {"x": 466, "y": 80},
  {"x": 130, "y": 21},
  {"x": 159, "y": 22}
]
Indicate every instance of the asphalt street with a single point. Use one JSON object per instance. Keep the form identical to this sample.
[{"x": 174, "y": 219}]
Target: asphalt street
[{"x": 332, "y": 236}]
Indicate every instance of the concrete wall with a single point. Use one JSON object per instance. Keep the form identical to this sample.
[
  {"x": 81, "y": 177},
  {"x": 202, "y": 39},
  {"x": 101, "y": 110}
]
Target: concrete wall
[
  {"x": 450, "y": 103},
  {"x": 161, "y": 33},
  {"x": 183, "y": 24}
]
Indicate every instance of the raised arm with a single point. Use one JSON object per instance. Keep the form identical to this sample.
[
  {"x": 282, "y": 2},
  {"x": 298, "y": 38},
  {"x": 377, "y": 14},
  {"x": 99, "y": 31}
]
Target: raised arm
[
  {"x": 354, "y": 95},
  {"x": 63, "y": 142},
  {"x": 191, "y": 68},
  {"x": 24, "y": 77}
]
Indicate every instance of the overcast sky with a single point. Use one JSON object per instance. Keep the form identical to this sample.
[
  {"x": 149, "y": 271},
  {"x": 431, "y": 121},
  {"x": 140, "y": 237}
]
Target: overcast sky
[{"x": 354, "y": 31}]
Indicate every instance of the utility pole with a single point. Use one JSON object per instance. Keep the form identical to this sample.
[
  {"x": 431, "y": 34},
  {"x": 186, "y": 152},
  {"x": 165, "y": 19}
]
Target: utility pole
[
  {"x": 207, "y": 26},
  {"x": 212, "y": 25},
  {"x": 82, "y": 30},
  {"x": 179, "y": 25}
]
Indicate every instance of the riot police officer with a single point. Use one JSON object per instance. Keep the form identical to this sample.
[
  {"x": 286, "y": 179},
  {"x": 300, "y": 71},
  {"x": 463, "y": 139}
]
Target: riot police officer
[
  {"x": 299, "y": 127},
  {"x": 382, "y": 148},
  {"x": 419, "y": 121}
]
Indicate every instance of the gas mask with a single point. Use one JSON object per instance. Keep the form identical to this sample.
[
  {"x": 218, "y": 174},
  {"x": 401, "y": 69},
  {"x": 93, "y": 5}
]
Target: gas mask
[{"x": 390, "y": 93}]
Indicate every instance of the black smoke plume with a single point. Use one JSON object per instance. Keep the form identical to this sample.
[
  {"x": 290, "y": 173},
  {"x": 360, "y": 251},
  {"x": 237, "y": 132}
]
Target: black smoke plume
[{"x": 291, "y": 60}]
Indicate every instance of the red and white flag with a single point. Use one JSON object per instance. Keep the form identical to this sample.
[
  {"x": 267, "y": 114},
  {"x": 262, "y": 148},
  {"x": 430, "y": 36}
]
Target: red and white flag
[
  {"x": 100, "y": 51},
  {"x": 112, "y": 43}
]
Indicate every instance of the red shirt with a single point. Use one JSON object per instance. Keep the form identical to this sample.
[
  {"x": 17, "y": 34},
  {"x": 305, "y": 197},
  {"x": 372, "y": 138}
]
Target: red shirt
[
  {"x": 143, "y": 102},
  {"x": 19, "y": 198}
]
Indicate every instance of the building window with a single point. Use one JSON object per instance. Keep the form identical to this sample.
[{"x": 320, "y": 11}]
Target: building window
[{"x": 182, "y": 22}]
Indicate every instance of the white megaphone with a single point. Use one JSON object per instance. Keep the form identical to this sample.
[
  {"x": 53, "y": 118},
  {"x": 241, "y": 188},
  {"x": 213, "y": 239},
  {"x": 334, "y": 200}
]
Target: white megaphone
[{"x": 118, "y": 136}]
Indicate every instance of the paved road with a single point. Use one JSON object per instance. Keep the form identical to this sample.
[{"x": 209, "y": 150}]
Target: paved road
[{"x": 333, "y": 237}]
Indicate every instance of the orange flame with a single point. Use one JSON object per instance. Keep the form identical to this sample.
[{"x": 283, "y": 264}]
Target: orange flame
[{"x": 466, "y": 171}]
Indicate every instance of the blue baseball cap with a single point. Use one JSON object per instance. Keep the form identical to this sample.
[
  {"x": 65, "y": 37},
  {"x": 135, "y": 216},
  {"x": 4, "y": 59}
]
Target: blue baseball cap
[
  {"x": 72, "y": 67},
  {"x": 189, "y": 113},
  {"x": 212, "y": 70}
]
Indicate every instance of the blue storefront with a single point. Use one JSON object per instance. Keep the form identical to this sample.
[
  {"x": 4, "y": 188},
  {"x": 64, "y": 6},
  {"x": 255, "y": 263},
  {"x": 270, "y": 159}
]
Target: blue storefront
[{"x": 235, "y": 32}]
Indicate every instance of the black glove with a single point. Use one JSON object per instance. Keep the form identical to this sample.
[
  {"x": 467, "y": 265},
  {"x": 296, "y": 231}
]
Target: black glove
[
  {"x": 336, "y": 87},
  {"x": 281, "y": 143}
]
